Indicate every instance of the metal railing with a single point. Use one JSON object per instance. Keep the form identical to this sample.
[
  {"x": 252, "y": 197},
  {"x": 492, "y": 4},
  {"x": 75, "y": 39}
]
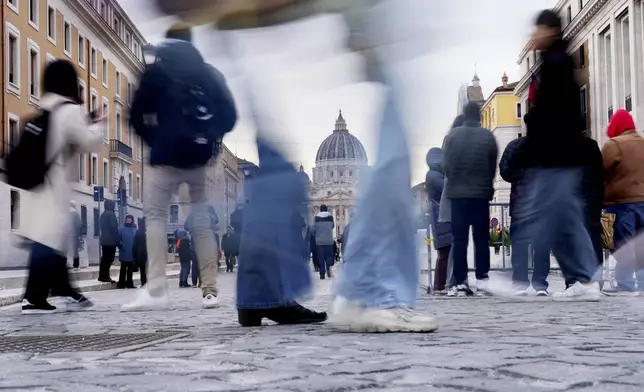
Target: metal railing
[{"x": 118, "y": 147}]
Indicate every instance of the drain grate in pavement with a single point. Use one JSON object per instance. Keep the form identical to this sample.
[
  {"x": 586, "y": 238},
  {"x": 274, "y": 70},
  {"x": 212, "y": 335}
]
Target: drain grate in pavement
[{"x": 48, "y": 344}]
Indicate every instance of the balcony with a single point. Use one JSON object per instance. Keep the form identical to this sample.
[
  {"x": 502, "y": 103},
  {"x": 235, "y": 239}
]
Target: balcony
[{"x": 120, "y": 150}]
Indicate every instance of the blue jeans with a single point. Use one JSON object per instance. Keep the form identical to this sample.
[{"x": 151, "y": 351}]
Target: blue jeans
[
  {"x": 380, "y": 266},
  {"x": 551, "y": 216},
  {"x": 185, "y": 271},
  {"x": 629, "y": 221},
  {"x": 520, "y": 255},
  {"x": 466, "y": 213},
  {"x": 325, "y": 258},
  {"x": 271, "y": 271}
]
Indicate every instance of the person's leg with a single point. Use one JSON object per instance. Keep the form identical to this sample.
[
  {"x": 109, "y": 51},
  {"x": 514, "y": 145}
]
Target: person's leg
[
  {"x": 184, "y": 272},
  {"x": 321, "y": 261},
  {"x": 143, "y": 273},
  {"x": 107, "y": 258},
  {"x": 203, "y": 235},
  {"x": 195, "y": 272},
  {"x": 122, "y": 283},
  {"x": 59, "y": 276},
  {"x": 129, "y": 276},
  {"x": 541, "y": 257},
  {"x": 38, "y": 280},
  {"x": 460, "y": 231},
  {"x": 519, "y": 258},
  {"x": 624, "y": 229},
  {"x": 440, "y": 274},
  {"x": 76, "y": 263},
  {"x": 329, "y": 258},
  {"x": 480, "y": 218}
]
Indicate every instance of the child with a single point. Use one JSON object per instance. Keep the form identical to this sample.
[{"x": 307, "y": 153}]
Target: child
[
  {"x": 185, "y": 257},
  {"x": 126, "y": 255}
]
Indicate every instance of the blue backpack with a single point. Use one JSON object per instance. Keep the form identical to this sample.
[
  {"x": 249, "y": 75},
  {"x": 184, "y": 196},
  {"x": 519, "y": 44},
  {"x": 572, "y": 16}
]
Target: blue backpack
[{"x": 198, "y": 111}]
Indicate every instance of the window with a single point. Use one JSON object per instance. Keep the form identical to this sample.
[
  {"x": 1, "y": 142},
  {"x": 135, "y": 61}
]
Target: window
[
  {"x": 97, "y": 225},
  {"x": 130, "y": 136},
  {"x": 584, "y": 106},
  {"x": 104, "y": 70},
  {"x": 94, "y": 170},
  {"x": 93, "y": 102},
  {"x": 105, "y": 112},
  {"x": 82, "y": 93},
  {"x": 103, "y": 9},
  {"x": 139, "y": 151},
  {"x": 68, "y": 39},
  {"x": 13, "y": 55},
  {"x": 33, "y": 13},
  {"x": 518, "y": 111},
  {"x": 106, "y": 174},
  {"x": 34, "y": 70},
  {"x": 83, "y": 216},
  {"x": 130, "y": 183},
  {"x": 81, "y": 167},
  {"x": 13, "y": 4},
  {"x": 81, "y": 51},
  {"x": 606, "y": 73},
  {"x": 51, "y": 24},
  {"x": 93, "y": 62},
  {"x": 528, "y": 62},
  {"x": 624, "y": 59},
  {"x": 138, "y": 187},
  {"x": 118, "y": 84},
  {"x": 174, "y": 213},
  {"x": 129, "y": 94},
  {"x": 117, "y": 26},
  {"x": 13, "y": 129},
  {"x": 128, "y": 40},
  {"x": 582, "y": 57},
  {"x": 119, "y": 126},
  {"x": 50, "y": 58},
  {"x": 569, "y": 14},
  {"x": 15, "y": 210}
]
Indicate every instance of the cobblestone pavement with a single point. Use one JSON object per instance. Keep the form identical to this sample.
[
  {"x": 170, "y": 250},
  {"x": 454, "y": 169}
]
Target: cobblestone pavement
[{"x": 484, "y": 344}]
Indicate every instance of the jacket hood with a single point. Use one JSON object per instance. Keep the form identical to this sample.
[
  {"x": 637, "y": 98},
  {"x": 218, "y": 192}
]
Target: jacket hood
[
  {"x": 434, "y": 159},
  {"x": 621, "y": 122},
  {"x": 472, "y": 112},
  {"x": 323, "y": 214},
  {"x": 109, "y": 205}
]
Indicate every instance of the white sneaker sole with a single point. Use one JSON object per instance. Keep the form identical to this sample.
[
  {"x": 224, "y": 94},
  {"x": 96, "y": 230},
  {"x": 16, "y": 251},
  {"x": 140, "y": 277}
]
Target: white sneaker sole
[
  {"x": 579, "y": 298},
  {"x": 146, "y": 307},
  {"x": 210, "y": 305},
  {"x": 361, "y": 325},
  {"x": 37, "y": 311}
]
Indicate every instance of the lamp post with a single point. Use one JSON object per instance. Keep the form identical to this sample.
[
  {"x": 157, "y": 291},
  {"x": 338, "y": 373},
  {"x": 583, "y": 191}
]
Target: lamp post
[{"x": 149, "y": 55}]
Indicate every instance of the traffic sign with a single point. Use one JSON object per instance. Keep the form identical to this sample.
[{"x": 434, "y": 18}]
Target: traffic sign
[
  {"x": 494, "y": 222},
  {"x": 98, "y": 194}
]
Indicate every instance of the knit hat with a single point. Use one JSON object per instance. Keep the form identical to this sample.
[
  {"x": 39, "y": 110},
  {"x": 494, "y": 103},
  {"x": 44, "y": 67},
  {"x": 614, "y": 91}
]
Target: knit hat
[
  {"x": 548, "y": 18},
  {"x": 621, "y": 122}
]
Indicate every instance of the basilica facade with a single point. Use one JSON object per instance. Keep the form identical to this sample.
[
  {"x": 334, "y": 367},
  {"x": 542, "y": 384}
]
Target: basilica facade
[{"x": 340, "y": 161}]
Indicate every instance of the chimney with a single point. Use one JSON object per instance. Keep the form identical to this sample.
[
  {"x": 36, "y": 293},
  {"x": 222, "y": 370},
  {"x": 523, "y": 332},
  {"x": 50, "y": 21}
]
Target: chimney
[{"x": 504, "y": 79}]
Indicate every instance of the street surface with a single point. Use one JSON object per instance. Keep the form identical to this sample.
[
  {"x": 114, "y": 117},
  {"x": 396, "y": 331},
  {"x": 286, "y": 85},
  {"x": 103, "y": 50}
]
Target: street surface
[{"x": 483, "y": 345}]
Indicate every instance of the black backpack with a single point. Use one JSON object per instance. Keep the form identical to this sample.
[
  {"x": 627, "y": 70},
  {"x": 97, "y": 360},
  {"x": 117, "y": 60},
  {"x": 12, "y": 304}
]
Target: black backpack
[{"x": 27, "y": 164}]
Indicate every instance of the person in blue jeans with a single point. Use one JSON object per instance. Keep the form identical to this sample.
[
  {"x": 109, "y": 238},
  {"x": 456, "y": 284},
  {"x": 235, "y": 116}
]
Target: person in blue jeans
[
  {"x": 470, "y": 157},
  {"x": 512, "y": 172},
  {"x": 623, "y": 159}
]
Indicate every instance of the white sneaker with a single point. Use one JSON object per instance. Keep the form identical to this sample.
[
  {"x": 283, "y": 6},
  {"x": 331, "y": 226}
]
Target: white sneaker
[
  {"x": 580, "y": 292},
  {"x": 452, "y": 292},
  {"x": 542, "y": 293},
  {"x": 144, "y": 301},
  {"x": 351, "y": 317},
  {"x": 519, "y": 292},
  {"x": 76, "y": 305},
  {"x": 210, "y": 301},
  {"x": 483, "y": 287}
]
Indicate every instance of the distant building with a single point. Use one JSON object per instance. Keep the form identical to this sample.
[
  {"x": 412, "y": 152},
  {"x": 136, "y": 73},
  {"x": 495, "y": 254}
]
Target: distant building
[
  {"x": 501, "y": 114},
  {"x": 471, "y": 93}
]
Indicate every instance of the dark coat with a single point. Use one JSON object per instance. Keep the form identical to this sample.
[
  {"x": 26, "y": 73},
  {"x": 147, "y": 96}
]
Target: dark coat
[
  {"x": 511, "y": 169},
  {"x": 185, "y": 249},
  {"x": 556, "y": 114},
  {"x": 109, "y": 226},
  {"x": 228, "y": 244},
  {"x": 140, "y": 247},
  {"x": 127, "y": 234},
  {"x": 434, "y": 182},
  {"x": 592, "y": 181}
]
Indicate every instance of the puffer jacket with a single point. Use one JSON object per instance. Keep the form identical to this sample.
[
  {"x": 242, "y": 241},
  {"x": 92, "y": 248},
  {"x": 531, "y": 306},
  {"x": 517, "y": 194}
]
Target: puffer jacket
[{"x": 434, "y": 183}]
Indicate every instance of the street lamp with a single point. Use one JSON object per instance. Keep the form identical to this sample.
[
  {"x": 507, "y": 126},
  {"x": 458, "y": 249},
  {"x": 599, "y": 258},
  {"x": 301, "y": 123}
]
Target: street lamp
[{"x": 149, "y": 54}]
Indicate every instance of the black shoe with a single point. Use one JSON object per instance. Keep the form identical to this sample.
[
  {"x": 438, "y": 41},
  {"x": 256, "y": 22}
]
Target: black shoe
[
  {"x": 295, "y": 314},
  {"x": 183, "y": 285},
  {"x": 463, "y": 290},
  {"x": 42, "y": 308},
  {"x": 106, "y": 280},
  {"x": 322, "y": 276}
]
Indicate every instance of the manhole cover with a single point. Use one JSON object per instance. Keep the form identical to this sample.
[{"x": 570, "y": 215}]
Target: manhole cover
[{"x": 71, "y": 343}]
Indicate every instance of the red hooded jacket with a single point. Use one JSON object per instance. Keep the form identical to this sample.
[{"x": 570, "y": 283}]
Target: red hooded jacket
[{"x": 621, "y": 122}]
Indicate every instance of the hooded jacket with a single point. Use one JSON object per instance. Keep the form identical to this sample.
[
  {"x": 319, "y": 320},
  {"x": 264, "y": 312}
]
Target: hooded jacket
[
  {"x": 511, "y": 168},
  {"x": 470, "y": 158},
  {"x": 434, "y": 181},
  {"x": 555, "y": 114},
  {"x": 623, "y": 161},
  {"x": 323, "y": 228},
  {"x": 126, "y": 234},
  {"x": 109, "y": 226}
]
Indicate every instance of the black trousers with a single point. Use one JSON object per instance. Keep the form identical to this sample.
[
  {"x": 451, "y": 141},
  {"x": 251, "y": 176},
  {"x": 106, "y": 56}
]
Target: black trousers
[
  {"x": 230, "y": 262},
  {"x": 48, "y": 275},
  {"x": 125, "y": 275},
  {"x": 76, "y": 262},
  {"x": 143, "y": 271},
  {"x": 107, "y": 258}
]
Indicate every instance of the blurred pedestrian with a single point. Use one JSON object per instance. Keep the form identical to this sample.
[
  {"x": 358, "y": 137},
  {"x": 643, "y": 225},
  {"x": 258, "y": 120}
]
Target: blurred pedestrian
[
  {"x": 186, "y": 256},
  {"x": 75, "y": 234},
  {"x": 127, "y": 232},
  {"x": 470, "y": 166},
  {"x": 182, "y": 110},
  {"x": 140, "y": 252},
  {"x": 45, "y": 208},
  {"x": 623, "y": 162},
  {"x": 323, "y": 231},
  {"x": 441, "y": 231},
  {"x": 228, "y": 247},
  {"x": 552, "y": 211}
]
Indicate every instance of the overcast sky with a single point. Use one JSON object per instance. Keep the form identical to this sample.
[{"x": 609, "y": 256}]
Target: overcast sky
[{"x": 303, "y": 76}]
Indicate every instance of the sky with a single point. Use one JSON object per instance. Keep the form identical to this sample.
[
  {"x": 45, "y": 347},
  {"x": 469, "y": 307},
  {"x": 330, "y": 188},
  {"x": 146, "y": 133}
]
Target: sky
[{"x": 301, "y": 75}]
